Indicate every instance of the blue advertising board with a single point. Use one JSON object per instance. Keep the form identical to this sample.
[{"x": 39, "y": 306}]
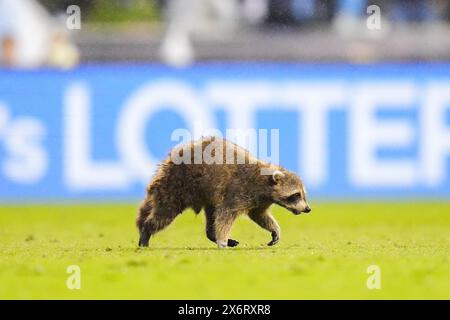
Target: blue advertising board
[{"x": 350, "y": 131}]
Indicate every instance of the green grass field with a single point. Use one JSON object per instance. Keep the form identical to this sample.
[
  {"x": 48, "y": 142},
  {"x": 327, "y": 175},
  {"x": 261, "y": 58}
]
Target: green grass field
[{"x": 321, "y": 255}]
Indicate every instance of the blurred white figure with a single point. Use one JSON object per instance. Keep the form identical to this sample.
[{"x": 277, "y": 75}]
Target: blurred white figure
[
  {"x": 24, "y": 33},
  {"x": 254, "y": 11},
  {"x": 188, "y": 17},
  {"x": 29, "y": 39},
  {"x": 62, "y": 53},
  {"x": 350, "y": 19}
]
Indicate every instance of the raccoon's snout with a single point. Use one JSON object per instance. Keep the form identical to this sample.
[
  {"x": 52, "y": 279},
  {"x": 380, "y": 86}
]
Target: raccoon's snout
[{"x": 297, "y": 212}]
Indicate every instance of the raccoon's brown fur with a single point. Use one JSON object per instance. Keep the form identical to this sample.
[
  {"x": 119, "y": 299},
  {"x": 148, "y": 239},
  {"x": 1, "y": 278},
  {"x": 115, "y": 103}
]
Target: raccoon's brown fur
[{"x": 222, "y": 190}]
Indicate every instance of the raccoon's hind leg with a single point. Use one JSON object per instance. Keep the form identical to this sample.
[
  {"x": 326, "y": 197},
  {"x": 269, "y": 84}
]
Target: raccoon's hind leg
[
  {"x": 211, "y": 229},
  {"x": 155, "y": 220},
  {"x": 144, "y": 211}
]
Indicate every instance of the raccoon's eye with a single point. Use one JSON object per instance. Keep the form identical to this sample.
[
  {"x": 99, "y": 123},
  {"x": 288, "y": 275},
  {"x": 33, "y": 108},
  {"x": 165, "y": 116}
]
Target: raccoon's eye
[{"x": 294, "y": 198}]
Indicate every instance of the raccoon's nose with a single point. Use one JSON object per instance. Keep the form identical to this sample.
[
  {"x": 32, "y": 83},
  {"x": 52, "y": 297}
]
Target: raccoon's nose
[{"x": 308, "y": 209}]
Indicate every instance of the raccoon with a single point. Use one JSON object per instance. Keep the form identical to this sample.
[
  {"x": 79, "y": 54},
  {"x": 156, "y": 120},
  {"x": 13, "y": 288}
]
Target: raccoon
[{"x": 223, "y": 189}]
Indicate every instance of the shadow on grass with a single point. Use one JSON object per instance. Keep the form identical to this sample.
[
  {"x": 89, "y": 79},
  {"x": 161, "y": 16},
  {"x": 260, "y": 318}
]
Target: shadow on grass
[{"x": 261, "y": 248}]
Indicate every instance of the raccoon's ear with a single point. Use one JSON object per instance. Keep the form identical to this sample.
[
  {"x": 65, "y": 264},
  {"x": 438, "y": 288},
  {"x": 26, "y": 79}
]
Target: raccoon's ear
[{"x": 277, "y": 176}]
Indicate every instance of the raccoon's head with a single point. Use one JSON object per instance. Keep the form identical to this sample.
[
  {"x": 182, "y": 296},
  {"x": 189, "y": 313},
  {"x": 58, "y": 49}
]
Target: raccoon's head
[{"x": 289, "y": 192}]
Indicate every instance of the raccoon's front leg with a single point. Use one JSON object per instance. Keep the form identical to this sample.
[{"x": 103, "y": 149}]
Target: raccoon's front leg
[{"x": 265, "y": 220}]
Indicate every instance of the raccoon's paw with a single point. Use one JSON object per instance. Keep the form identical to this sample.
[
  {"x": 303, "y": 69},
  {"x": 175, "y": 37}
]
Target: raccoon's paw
[
  {"x": 232, "y": 243},
  {"x": 143, "y": 241},
  {"x": 221, "y": 244},
  {"x": 275, "y": 239},
  {"x": 142, "y": 244}
]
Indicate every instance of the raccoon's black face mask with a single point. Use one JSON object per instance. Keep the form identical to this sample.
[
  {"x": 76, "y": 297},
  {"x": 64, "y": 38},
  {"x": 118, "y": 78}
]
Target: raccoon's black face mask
[{"x": 289, "y": 192}]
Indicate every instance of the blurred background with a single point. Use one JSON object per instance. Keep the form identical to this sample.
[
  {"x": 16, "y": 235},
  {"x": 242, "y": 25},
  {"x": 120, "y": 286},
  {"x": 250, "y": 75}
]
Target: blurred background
[
  {"x": 91, "y": 91},
  {"x": 353, "y": 95},
  {"x": 180, "y": 32}
]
